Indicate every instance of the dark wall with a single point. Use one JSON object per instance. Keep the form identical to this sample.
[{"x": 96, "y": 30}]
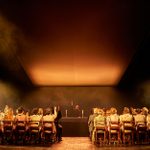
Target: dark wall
[
  {"x": 86, "y": 97},
  {"x": 9, "y": 94},
  {"x": 137, "y": 77},
  {"x": 142, "y": 92},
  {"x": 13, "y": 80}
]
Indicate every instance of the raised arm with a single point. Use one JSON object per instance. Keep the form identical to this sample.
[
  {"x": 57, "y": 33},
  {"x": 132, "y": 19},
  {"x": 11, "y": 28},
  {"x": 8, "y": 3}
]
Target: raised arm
[{"x": 55, "y": 112}]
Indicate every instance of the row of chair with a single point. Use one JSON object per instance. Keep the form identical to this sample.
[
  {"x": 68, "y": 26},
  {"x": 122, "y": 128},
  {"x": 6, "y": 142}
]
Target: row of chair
[
  {"x": 32, "y": 132},
  {"x": 107, "y": 127},
  {"x": 127, "y": 133},
  {"x": 130, "y": 134}
]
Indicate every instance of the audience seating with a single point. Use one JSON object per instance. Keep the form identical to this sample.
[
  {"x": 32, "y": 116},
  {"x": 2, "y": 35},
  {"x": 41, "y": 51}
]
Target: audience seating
[
  {"x": 114, "y": 132},
  {"x": 128, "y": 132},
  {"x": 100, "y": 133},
  {"x": 47, "y": 132},
  {"x": 8, "y": 131},
  {"x": 133, "y": 129}
]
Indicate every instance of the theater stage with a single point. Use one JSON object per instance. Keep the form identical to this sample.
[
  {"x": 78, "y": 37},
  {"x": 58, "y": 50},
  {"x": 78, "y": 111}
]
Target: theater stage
[{"x": 74, "y": 143}]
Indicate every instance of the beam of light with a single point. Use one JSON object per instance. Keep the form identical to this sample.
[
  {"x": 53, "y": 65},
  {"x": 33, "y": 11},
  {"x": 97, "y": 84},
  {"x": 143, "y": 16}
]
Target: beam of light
[
  {"x": 81, "y": 76},
  {"x": 81, "y": 67}
]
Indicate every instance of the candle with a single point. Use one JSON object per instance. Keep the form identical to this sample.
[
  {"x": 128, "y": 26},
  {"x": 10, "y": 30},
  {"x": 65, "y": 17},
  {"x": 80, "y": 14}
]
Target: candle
[
  {"x": 82, "y": 113},
  {"x": 66, "y": 113}
]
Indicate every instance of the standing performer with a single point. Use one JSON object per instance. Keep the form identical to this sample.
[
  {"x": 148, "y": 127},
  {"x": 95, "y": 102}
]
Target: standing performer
[{"x": 58, "y": 124}]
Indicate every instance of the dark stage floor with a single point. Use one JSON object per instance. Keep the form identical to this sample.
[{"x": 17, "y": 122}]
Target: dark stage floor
[{"x": 74, "y": 143}]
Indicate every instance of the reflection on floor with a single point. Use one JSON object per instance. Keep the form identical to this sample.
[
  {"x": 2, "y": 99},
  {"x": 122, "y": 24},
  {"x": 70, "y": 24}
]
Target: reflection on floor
[{"x": 74, "y": 143}]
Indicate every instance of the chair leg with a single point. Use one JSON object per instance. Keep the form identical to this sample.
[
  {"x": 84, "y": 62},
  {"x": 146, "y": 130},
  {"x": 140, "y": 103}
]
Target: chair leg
[
  {"x": 118, "y": 137},
  {"x": 109, "y": 137},
  {"x": 96, "y": 137},
  {"x": 105, "y": 137},
  {"x": 123, "y": 137},
  {"x": 132, "y": 137}
]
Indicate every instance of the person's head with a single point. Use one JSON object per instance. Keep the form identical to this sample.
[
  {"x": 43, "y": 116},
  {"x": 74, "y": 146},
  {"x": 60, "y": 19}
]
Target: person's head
[
  {"x": 113, "y": 110},
  {"x": 126, "y": 110},
  {"x": 138, "y": 110},
  {"x": 6, "y": 107},
  {"x": 108, "y": 112},
  {"x": 47, "y": 111},
  {"x": 40, "y": 111},
  {"x": 100, "y": 112},
  {"x": 20, "y": 110},
  {"x": 34, "y": 111},
  {"x": 95, "y": 110},
  {"x": 133, "y": 111},
  {"x": 92, "y": 111},
  {"x": 77, "y": 107},
  {"x": 145, "y": 111}
]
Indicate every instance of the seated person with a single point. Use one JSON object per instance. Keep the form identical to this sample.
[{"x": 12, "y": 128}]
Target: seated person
[
  {"x": 6, "y": 109},
  {"x": 35, "y": 119},
  {"x": 133, "y": 111},
  {"x": 76, "y": 111},
  {"x": 50, "y": 116},
  {"x": 144, "y": 111},
  {"x": 113, "y": 119},
  {"x": 107, "y": 115},
  {"x": 139, "y": 119},
  {"x": 34, "y": 115},
  {"x": 40, "y": 112},
  {"x": 99, "y": 122},
  {"x": 91, "y": 123},
  {"x": 148, "y": 120},
  {"x": 20, "y": 120},
  {"x": 8, "y": 120},
  {"x": 8, "y": 113},
  {"x": 91, "y": 120},
  {"x": 126, "y": 118},
  {"x": 1, "y": 121},
  {"x": 21, "y": 116}
]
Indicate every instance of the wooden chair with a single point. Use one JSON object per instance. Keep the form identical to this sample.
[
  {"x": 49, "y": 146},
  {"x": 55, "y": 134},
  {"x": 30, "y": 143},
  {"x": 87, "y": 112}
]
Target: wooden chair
[
  {"x": 114, "y": 132},
  {"x": 148, "y": 133},
  {"x": 8, "y": 131},
  {"x": 100, "y": 134},
  {"x": 47, "y": 132},
  {"x": 127, "y": 132},
  {"x": 1, "y": 132},
  {"x": 20, "y": 131},
  {"x": 141, "y": 132},
  {"x": 34, "y": 131}
]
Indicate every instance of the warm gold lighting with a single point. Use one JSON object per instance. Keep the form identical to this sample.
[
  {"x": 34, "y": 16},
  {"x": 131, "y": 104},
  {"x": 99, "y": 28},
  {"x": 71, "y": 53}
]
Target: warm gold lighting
[
  {"x": 65, "y": 67},
  {"x": 76, "y": 76},
  {"x": 79, "y": 47},
  {"x": 75, "y": 44}
]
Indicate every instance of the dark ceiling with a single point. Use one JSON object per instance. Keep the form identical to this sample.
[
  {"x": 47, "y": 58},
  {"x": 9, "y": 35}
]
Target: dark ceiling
[{"x": 74, "y": 42}]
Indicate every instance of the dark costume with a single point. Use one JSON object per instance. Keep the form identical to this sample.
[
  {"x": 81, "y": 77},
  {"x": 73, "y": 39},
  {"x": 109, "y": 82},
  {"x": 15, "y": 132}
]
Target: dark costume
[{"x": 58, "y": 126}]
